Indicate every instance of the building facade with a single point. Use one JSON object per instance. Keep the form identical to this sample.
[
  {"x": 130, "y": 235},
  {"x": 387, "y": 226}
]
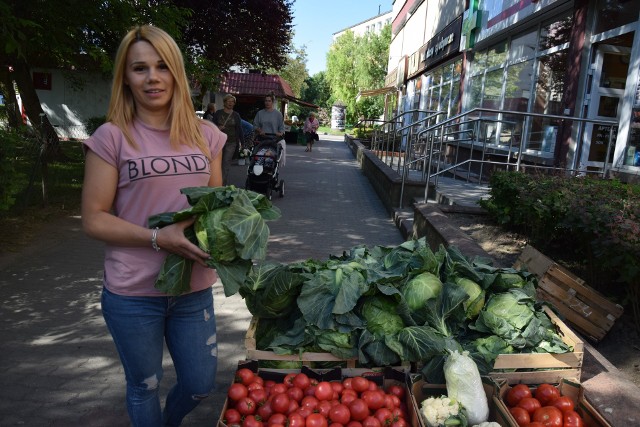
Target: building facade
[
  {"x": 371, "y": 25},
  {"x": 559, "y": 65}
]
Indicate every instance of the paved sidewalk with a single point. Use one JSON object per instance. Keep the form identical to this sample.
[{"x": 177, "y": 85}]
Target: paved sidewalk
[{"x": 58, "y": 365}]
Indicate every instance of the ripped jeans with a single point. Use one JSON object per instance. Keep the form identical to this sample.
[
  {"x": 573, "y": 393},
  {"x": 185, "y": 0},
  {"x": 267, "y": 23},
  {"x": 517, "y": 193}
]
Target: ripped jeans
[{"x": 139, "y": 327}]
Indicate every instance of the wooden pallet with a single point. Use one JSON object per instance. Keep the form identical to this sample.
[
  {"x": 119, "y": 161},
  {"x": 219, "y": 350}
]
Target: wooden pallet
[
  {"x": 305, "y": 358},
  {"x": 588, "y": 311}
]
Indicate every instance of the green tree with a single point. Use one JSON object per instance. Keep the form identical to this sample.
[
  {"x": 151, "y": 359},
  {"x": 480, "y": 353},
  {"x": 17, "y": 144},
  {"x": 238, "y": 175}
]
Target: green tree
[
  {"x": 317, "y": 90},
  {"x": 295, "y": 70},
  {"x": 358, "y": 63}
]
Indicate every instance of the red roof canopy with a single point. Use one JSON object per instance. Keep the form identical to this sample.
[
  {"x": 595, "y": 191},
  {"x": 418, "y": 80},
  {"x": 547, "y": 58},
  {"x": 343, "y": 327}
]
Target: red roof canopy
[{"x": 258, "y": 84}]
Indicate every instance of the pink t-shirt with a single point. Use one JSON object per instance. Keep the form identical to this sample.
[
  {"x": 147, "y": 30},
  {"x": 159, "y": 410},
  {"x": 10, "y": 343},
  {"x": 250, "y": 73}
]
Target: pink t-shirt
[{"x": 150, "y": 179}]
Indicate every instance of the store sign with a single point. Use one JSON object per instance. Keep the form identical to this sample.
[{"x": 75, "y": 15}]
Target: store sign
[{"x": 444, "y": 44}]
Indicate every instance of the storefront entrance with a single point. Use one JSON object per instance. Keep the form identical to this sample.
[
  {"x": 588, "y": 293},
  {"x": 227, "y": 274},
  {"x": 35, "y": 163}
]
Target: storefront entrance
[{"x": 609, "y": 78}]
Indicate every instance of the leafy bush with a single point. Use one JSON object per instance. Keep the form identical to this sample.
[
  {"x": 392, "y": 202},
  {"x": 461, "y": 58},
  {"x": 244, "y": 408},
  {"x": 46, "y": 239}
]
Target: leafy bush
[
  {"x": 94, "y": 123},
  {"x": 12, "y": 180},
  {"x": 597, "y": 220}
]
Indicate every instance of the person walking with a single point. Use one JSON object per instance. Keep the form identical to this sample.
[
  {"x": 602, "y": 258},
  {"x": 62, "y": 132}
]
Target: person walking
[
  {"x": 229, "y": 122},
  {"x": 310, "y": 130},
  {"x": 270, "y": 121},
  {"x": 151, "y": 146},
  {"x": 211, "y": 110}
]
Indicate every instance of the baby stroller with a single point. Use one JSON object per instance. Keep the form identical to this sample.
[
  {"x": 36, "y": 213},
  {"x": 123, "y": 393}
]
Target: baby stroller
[{"x": 262, "y": 173}]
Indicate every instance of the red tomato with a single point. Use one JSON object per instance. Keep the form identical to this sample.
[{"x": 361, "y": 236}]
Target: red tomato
[
  {"x": 277, "y": 419},
  {"x": 572, "y": 419},
  {"x": 280, "y": 403},
  {"x": 295, "y": 420},
  {"x": 324, "y": 391},
  {"x": 360, "y": 384},
  {"x": 397, "y": 391},
  {"x": 371, "y": 421},
  {"x": 384, "y": 415},
  {"x": 295, "y": 393},
  {"x": 310, "y": 402},
  {"x": 316, "y": 420},
  {"x": 549, "y": 416},
  {"x": 323, "y": 408},
  {"x": 340, "y": 414},
  {"x": 535, "y": 424},
  {"x": 293, "y": 406},
  {"x": 337, "y": 386},
  {"x": 546, "y": 393},
  {"x": 288, "y": 379},
  {"x": 301, "y": 381},
  {"x": 564, "y": 403},
  {"x": 259, "y": 395},
  {"x": 530, "y": 404},
  {"x": 310, "y": 391},
  {"x": 400, "y": 422},
  {"x": 516, "y": 393},
  {"x": 232, "y": 416},
  {"x": 373, "y": 386},
  {"x": 354, "y": 424},
  {"x": 347, "y": 398},
  {"x": 259, "y": 380},
  {"x": 246, "y": 406},
  {"x": 374, "y": 399},
  {"x": 265, "y": 410},
  {"x": 359, "y": 409},
  {"x": 304, "y": 411},
  {"x": 251, "y": 421},
  {"x": 521, "y": 415},
  {"x": 245, "y": 376},
  {"x": 237, "y": 391},
  {"x": 255, "y": 385},
  {"x": 278, "y": 389},
  {"x": 347, "y": 383}
]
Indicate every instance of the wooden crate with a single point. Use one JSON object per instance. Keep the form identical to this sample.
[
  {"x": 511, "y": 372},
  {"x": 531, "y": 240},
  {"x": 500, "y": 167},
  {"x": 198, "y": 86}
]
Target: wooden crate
[
  {"x": 590, "y": 416},
  {"x": 305, "y": 358},
  {"x": 384, "y": 377},
  {"x": 420, "y": 390},
  {"x": 588, "y": 311},
  {"x": 537, "y": 368}
]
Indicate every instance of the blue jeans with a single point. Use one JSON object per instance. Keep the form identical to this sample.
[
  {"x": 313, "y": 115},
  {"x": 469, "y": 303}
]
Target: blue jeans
[{"x": 139, "y": 326}]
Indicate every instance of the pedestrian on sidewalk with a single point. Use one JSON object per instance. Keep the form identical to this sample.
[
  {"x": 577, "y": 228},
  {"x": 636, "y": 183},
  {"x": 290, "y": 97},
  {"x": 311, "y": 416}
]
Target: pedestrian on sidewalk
[
  {"x": 310, "y": 130},
  {"x": 229, "y": 122},
  {"x": 152, "y": 146},
  {"x": 211, "y": 110}
]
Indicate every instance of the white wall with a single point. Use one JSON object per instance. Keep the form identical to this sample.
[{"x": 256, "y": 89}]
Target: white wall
[{"x": 68, "y": 105}]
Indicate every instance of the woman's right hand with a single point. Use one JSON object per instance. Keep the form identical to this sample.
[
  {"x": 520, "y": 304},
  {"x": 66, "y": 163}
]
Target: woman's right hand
[{"x": 171, "y": 238}]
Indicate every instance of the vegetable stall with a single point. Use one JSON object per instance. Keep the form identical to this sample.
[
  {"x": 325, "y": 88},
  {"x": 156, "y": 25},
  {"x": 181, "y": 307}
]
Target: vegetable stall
[{"x": 422, "y": 312}]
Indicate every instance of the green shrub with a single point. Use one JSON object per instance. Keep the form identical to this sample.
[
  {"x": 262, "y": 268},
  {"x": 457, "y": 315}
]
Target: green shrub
[
  {"x": 12, "y": 180},
  {"x": 590, "y": 221},
  {"x": 94, "y": 123}
]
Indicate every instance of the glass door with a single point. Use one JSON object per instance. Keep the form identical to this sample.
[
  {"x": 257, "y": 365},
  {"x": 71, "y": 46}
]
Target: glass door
[{"x": 610, "y": 70}]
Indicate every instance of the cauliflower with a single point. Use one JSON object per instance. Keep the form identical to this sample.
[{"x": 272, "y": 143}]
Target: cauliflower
[
  {"x": 442, "y": 411},
  {"x": 487, "y": 424}
]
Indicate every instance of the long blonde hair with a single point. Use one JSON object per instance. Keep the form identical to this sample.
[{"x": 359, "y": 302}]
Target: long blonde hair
[{"x": 185, "y": 125}]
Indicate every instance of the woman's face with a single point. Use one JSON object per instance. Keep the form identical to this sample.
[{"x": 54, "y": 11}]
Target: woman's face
[
  {"x": 229, "y": 103},
  {"x": 149, "y": 79}
]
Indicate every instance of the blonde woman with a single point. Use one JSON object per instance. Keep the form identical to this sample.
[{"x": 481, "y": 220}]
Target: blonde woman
[{"x": 152, "y": 146}]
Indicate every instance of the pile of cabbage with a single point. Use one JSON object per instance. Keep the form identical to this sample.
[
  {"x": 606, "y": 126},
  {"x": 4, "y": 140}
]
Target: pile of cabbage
[{"x": 387, "y": 305}]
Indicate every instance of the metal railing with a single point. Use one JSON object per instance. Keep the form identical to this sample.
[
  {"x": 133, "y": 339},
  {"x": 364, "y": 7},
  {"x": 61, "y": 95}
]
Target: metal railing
[{"x": 420, "y": 148}]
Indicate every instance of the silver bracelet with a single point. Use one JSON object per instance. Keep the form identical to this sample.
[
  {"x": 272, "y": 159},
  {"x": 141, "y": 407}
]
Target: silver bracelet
[{"x": 154, "y": 239}]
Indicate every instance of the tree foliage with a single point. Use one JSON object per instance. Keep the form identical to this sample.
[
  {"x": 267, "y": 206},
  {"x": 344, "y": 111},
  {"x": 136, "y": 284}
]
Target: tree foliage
[
  {"x": 358, "y": 63},
  {"x": 295, "y": 70},
  {"x": 74, "y": 34}
]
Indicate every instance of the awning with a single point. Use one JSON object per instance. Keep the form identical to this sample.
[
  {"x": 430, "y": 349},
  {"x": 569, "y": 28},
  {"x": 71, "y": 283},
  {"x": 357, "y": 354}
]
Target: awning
[
  {"x": 375, "y": 92},
  {"x": 301, "y": 102}
]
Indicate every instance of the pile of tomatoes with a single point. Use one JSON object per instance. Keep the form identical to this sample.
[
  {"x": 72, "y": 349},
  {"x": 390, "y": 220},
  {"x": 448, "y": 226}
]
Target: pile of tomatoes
[
  {"x": 543, "y": 406},
  {"x": 301, "y": 401}
]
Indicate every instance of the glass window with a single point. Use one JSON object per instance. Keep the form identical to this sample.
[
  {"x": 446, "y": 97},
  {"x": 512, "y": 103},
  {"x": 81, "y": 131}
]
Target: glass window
[
  {"x": 474, "y": 95},
  {"x": 555, "y": 33},
  {"x": 478, "y": 62},
  {"x": 523, "y": 46},
  {"x": 548, "y": 100},
  {"x": 492, "y": 89},
  {"x": 615, "y": 13},
  {"x": 497, "y": 54}
]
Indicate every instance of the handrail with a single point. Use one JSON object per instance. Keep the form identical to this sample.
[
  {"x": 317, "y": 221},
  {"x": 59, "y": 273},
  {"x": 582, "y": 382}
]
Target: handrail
[{"x": 469, "y": 115}]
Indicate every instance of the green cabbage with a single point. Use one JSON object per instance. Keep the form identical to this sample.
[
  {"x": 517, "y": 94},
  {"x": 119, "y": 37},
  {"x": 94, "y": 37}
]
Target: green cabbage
[
  {"x": 474, "y": 304},
  {"x": 380, "y": 314},
  {"x": 420, "y": 289}
]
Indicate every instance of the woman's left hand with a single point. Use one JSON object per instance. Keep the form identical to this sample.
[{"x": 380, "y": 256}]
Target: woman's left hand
[{"x": 171, "y": 238}]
